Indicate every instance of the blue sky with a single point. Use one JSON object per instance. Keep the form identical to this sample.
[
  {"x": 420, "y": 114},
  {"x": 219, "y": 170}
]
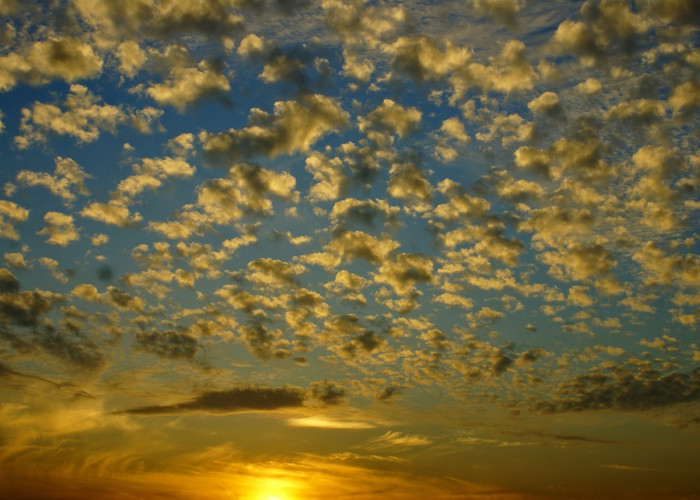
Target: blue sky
[{"x": 278, "y": 250}]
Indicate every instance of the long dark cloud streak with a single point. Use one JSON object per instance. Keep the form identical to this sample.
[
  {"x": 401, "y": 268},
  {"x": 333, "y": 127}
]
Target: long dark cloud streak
[{"x": 230, "y": 401}]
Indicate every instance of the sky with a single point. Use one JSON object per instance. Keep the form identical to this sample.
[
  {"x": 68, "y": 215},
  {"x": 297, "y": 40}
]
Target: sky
[{"x": 349, "y": 249}]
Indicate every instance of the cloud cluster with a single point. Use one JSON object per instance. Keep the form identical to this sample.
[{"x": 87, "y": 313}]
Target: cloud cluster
[
  {"x": 84, "y": 118},
  {"x": 292, "y": 127},
  {"x": 374, "y": 210},
  {"x": 625, "y": 389},
  {"x": 62, "y": 57}
]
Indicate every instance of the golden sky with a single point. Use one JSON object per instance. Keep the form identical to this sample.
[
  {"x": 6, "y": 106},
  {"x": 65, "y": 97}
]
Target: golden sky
[{"x": 349, "y": 249}]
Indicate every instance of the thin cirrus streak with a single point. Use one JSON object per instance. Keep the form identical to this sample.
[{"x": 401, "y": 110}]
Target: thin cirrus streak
[{"x": 266, "y": 249}]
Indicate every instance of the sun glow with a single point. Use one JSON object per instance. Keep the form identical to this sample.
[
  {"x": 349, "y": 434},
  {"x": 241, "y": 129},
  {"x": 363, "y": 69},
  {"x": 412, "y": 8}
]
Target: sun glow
[
  {"x": 275, "y": 489},
  {"x": 273, "y": 496}
]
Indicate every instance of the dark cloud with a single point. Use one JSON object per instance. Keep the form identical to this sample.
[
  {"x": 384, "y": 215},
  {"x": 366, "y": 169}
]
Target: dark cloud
[
  {"x": 676, "y": 11},
  {"x": 264, "y": 343},
  {"x": 77, "y": 350},
  {"x": 292, "y": 64},
  {"x": 7, "y": 372},
  {"x": 532, "y": 355},
  {"x": 689, "y": 423},
  {"x": 25, "y": 308},
  {"x": 500, "y": 363},
  {"x": 105, "y": 273},
  {"x": 388, "y": 392},
  {"x": 168, "y": 344},
  {"x": 624, "y": 389},
  {"x": 560, "y": 437},
  {"x": 328, "y": 392},
  {"x": 284, "y": 6},
  {"x": 367, "y": 341},
  {"x": 8, "y": 282},
  {"x": 239, "y": 399},
  {"x": 17, "y": 343},
  {"x": 121, "y": 299}
]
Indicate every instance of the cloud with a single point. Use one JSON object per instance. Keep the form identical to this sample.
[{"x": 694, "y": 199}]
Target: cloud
[
  {"x": 623, "y": 389},
  {"x": 579, "y": 261},
  {"x": 362, "y": 344},
  {"x": 387, "y": 393},
  {"x": 590, "y": 86},
  {"x": 150, "y": 174},
  {"x": 321, "y": 422},
  {"x": 52, "y": 265},
  {"x": 346, "y": 246},
  {"x": 10, "y": 210},
  {"x": 408, "y": 182},
  {"x": 8, "y": 282},
  {"x": 59, "y": 228},
  {"x": 114, "y": 212},
  {"x": 111, "y": 296},
  {"x": 560, "y": 437},
  {"x": 394, "y": 205},
  {"x": 355, "y": 67},
  {"x": 294, "y": 126},
  {"x": 364, "y": 211},
  {"x": 264, "y": 343},
  {"x": 67, "y": 180},
  {"x": 685, "y": 99},
  {"x": 236, "y": 400},
  {"x": 460, "y": 204},
  {"x": 266, "y": 272},
  {"x": 84, "y": 118},
  {"x": 421, "y": 58},
  {"x": 676, "y": 11},
  {"x": 79, "y": 351},
  {"x": 186, "y": 85},
  {"x": 168, "y": 344},
  {"x": 253, "y": 46},
  {"x": 24, "y": 309},
  {"x": 395, "y": 439},
  {"x": 504, "y": 11},
  {"x": 390, "y": 118},
  {"x": 331, "y": 182},
  {"x": 59, "y": 57},
  {"x": 210, "y": 18},
  {"x": 328, "y": 392},
  {"x": 131, "y": 57},
  {"x": 553, "y": 225},
  {"x": 664, "y": 269},
  {"x": 547, "y": 103},
  {"x": 15, "y": 260},
  {"x": 361, "y": 24},
  {"x": 304, "y": 305},
  {"x": 404, "y": 271}
]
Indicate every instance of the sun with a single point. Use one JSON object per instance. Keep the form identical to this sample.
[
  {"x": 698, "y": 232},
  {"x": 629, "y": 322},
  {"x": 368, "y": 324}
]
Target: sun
[
  {"x": 275, "y": 496},
  {"x": 274, "y": 484}
]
